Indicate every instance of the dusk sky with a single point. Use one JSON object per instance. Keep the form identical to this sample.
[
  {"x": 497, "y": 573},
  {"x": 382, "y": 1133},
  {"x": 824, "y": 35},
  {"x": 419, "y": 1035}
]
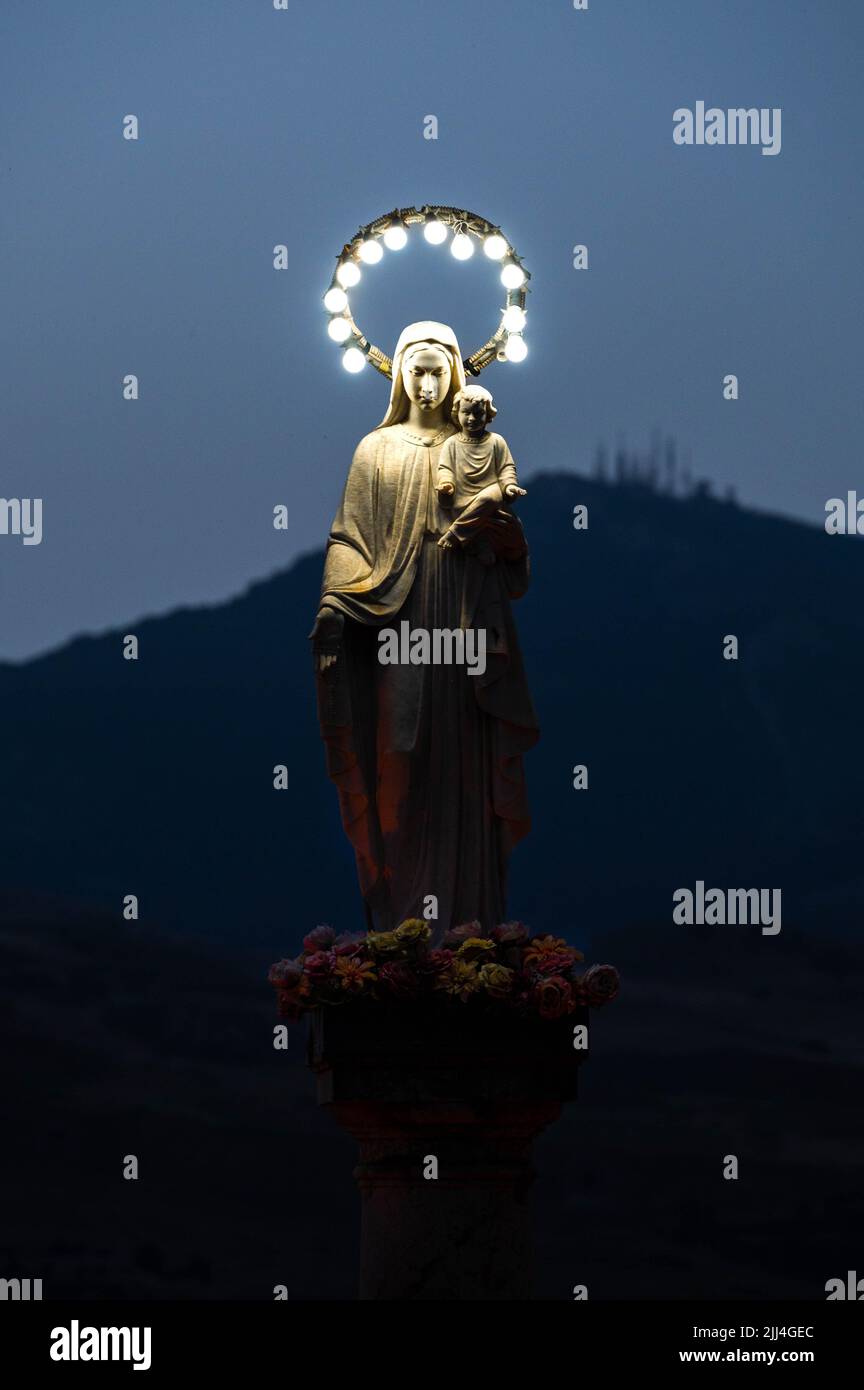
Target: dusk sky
[{"x": 260, "y": 127}]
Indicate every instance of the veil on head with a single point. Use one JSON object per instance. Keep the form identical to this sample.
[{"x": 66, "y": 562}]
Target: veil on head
[{"x": 426, "y": 331}]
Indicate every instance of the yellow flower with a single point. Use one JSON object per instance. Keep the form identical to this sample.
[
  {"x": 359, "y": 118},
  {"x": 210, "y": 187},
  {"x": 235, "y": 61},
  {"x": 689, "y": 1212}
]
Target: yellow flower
[
  {"x": 497, "y": 980},
  {"x": 381, "y": 943},
  {"x": 413, "y": 931},
  {"x": 354, "y": 974},
  {"x": 460, "y": 978},
  {"x": 474, "y": 948}
]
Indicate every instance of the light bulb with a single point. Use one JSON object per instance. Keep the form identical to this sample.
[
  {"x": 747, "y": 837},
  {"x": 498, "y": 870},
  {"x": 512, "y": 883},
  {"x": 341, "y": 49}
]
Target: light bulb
[
  {"x": 462, "y": 246},
  {"x": 512, "y": 276},
  {"x": 353, "y": 360},
  {"x": 348, "y": 274},
  {"x": 515, "y": 349},
  {"x": 513, "y": 319},
  {"x": 395, "y": 236},
  {"x": 335, "y": 300},
  {"x": 339, "y": 329},
  {"x": 495, "y": 246},
  {"x": 370, "y": 251},
  {"x": 435, "y": 232}
]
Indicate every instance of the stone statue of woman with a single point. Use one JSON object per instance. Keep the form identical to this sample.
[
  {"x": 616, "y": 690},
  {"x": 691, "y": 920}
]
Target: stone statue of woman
[{"x": 427, "y": 759}]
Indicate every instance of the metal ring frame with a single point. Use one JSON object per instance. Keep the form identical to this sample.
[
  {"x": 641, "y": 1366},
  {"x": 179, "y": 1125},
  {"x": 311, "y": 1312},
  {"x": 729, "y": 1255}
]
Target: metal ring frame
[{"x": 460, "y": 220}]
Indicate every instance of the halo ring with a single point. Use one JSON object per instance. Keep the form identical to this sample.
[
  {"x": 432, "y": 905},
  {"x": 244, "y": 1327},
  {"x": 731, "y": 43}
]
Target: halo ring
[{"x": 462, "y": 223}]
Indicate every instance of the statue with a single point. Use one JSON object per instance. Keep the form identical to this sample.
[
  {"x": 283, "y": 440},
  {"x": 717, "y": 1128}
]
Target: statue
[
  {"x": 426, "y": 758},
  {"x": 476, "y": 471}
]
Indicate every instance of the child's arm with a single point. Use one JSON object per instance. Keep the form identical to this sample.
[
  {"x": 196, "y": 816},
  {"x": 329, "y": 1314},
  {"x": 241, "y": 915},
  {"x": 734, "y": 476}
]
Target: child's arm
[
  {"x": 506, "y": 470},
  {"x": 445, "y": 483}
]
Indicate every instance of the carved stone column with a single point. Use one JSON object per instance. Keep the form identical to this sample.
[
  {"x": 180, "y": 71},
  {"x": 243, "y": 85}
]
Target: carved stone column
[{"x": 427, "y": 1089}]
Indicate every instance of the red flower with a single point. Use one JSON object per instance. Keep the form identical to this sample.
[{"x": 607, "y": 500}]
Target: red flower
[
  {"x": 553, "y": 997},
  {"x": 434, "y": 962},
  {"x": 599, "y": 985}
]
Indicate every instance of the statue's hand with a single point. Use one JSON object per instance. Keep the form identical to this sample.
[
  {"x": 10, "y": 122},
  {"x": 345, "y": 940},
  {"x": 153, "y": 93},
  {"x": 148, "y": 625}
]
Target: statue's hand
[
  {"x": 327, "y": 636},
  {"x": 513, "y": 490},
  {"x": 446, "y": 492}
]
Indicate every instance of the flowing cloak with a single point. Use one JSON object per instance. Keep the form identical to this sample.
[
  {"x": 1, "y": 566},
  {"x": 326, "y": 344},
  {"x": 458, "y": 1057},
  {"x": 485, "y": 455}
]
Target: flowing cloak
[{"x": 427, "y": 759}]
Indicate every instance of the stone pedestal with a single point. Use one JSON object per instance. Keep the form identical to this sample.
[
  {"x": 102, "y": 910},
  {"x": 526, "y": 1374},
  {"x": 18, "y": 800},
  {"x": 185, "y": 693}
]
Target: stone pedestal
[{"x": 468, "y": 1089}]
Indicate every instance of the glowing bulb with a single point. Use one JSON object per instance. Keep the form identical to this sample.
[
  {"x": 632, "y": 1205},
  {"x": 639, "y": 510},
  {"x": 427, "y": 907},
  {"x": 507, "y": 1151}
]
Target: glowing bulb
[
  {"x": 435, "y": 232},
  {"x": 513, "y": 319},
  {"x": 353, "y": 360},
  {"x": 515, "y": 350},
  {"x": 339, "y": 329},
  {"x": 462, "y": 246},
  {"x": 348, "y": 274},
  {"x": 370, "y": 251},
  {"x": 395, "y": 236},
  {"x": 335, "y": 300},
  {"x": 512, "y": 276},
  {"x": 495, "y": 246}
]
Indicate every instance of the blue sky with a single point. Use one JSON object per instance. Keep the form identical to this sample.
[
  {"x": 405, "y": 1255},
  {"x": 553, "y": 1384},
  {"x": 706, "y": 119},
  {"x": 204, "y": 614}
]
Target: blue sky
[{"x": 260, "y": 127}]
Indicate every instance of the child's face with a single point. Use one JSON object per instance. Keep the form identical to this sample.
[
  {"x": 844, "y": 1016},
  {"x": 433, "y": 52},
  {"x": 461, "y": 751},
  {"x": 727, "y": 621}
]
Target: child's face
[{"x": 472, "y": 415}]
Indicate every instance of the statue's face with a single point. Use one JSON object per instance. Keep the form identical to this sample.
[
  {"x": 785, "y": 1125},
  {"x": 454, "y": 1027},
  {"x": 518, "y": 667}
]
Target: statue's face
[
  {"x": 472, "y": 415},
  {"x": 426, "y": 377}
]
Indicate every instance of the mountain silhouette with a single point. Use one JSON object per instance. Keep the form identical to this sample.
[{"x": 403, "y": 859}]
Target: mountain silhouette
[{"x": 155, "y": 776}]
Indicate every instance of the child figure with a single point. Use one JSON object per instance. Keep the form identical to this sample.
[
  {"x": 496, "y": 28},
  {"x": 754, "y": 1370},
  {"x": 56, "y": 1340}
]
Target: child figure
[{"x": 476, "y": 471}]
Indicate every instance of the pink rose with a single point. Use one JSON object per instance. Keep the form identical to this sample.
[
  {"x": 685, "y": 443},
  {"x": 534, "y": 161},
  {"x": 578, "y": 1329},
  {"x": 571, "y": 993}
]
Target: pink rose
[
  {"x": 599, "y": 985},
  {"x": 286, "y": 974},
  {"x": 510, "y": 933},
  {"x": 320, "y": 939},
  {"x": 320, "y": 966},
  {"x": 349, "y": 943},
  {"x": 456, "y": 935}
]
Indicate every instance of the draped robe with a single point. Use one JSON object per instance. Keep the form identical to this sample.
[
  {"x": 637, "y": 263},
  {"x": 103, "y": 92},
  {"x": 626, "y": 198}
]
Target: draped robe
[{"x": 427, "y": 759}]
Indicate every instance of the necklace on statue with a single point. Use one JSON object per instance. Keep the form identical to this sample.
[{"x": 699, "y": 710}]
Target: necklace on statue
[{"x": 418, "y": 439}]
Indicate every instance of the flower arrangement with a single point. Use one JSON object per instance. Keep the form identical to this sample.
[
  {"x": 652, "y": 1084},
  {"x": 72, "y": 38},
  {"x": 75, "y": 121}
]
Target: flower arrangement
[{"x": 533, "y": 976}]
